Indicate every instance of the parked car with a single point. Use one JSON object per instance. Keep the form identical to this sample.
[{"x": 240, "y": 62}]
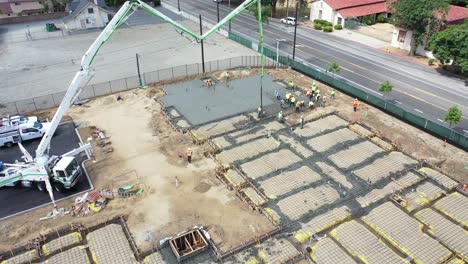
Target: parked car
[
  {"x": 218, "y": 1},
  {"x": 10, "y": 135},
  {"x": 288, "y": 20}
]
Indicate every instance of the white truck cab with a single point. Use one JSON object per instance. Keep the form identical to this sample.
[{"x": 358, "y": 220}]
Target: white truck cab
[{"x": 66, "y": 173}]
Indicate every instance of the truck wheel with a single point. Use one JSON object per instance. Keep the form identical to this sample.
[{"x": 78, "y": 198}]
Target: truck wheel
[
  {"x": 58, "y": 187},
  {"x": 41, "y": 186},
  {"x": 9, "y": 144}
]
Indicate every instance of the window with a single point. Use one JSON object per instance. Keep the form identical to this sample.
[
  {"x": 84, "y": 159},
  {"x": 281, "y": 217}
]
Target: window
[
  {"x": 320, "y": 14},
  {"x": 401, "y": 36},
  {"x": 321, "y": 4},
  {"x": 87, "y": 21},
  {"x": 17, "y": 3},
  {"x": 40, "y": 2},
  {"x": 90, "y": 11},
  {"x": 340, "y": 20}
]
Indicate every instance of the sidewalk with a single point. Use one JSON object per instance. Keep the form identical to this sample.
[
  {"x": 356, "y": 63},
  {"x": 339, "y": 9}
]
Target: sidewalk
[{"x": 357, "y": 37}]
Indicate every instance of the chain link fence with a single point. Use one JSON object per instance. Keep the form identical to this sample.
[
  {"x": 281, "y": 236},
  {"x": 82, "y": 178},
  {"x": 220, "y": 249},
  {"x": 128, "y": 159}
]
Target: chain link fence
[
  {"x": 124, "y": 84},
  {"x": 434, "y": 128}
]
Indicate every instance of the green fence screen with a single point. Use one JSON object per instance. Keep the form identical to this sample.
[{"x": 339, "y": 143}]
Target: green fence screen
[{"x": 443, "y": 132}]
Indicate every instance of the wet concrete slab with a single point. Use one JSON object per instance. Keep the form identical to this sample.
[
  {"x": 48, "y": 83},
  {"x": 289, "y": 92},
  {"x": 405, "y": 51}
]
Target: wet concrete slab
[{"x": 200, "y": 104}]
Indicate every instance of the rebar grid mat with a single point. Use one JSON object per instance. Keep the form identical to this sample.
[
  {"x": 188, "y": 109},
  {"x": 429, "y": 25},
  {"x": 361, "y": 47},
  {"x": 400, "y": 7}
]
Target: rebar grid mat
[
  {"x": 297, "y": 146},
  {"x": 216, "y": 128},
  {"x": 423, "y": 194},
  {"x": 408, "y": 179},
  {"x": 333, "y": 173},
  {"x": 439, "y": 178},
  {"x": 383, "y": 167},
  {"x": 165, "y": 256},
  {"x": 221, "y": 142},
  {"x": 382, "y": 143},
  {"x": 405, "y": 233},
  {"x": 355, "y": 154},
  {"x": 76, "y": 255},
  {"x": 61, "y": 242},
  {"x": 173, "y": 113},
  {"x": 269, "y": 163},
  {"x": 242, "y": 136},
  {"x": 234, "y": 178},
  {"x": 288, "y": 181},
  {"x": 362, "y": 244},
  {"x": 361, "y": 130},
  {"x": 302, "y": 203},
  {"x": 454, "y": 206},
  {"x": 377, "y": 194},
  {"x": 326, "y": 251},
  {"x": 327, "y": 141},
  {"x": 318, "y": 126},
  {"x": 451, "y": 235},
  {"x": 23, "y": 258},
  {"x": 255, "y": 197},
  {"x": 109, "y": 245},
  {"x": 321, "y": 222},
  {"x": 277, "y": 250},
  {"x": 247, "y": 150}
]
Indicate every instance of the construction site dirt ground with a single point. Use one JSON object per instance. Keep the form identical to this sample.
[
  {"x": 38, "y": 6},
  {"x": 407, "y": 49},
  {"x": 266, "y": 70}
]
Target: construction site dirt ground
[{"x": 147, "y": 151}]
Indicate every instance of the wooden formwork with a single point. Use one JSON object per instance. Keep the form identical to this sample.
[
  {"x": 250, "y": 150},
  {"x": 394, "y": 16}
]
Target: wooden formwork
[{"x": 252, "y": 196}]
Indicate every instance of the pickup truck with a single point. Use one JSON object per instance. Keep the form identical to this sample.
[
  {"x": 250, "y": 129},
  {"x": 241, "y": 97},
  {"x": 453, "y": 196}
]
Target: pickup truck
[{"x": 10, "y": 135}]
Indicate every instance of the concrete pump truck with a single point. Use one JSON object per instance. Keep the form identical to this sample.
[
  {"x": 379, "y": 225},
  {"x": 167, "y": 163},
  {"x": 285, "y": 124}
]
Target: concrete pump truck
[{"x": 59, "y": 173}]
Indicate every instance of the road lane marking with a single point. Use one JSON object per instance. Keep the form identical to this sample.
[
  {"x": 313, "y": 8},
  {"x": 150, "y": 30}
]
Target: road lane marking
[
  {"x": 398, "y": 102},
  {"x": 441, "y": 120},
  {"x": 417, "y": 110}
]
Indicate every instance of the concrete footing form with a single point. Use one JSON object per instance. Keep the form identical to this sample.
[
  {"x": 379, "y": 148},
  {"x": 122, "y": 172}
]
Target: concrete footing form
[{"x": 335, "y": 191}]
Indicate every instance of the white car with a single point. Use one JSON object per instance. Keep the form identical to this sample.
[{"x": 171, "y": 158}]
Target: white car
[
  {"x": 288, "y": 20},
  {"x": 218, "y": 1}
]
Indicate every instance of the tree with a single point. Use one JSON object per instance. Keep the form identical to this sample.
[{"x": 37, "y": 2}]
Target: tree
[
  {"x": 334, "y": 68},
  {"x": 462, "y": 3},
  {"x": 266, "y": 10},
  {"x": 453, "y": 115},
  {"x": 423, "y": 17},
  {"x": 452, "y": 44},
  {"x": 385, "y": 87}
]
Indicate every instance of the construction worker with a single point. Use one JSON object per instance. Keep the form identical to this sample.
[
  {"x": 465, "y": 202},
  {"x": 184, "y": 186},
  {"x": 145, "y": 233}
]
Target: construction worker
[
  {"x": 209, "y": 82},
  {"x": 298, "y": 105},
  {"x": 259, "y": 112},
  {"x": 227, "y": 76},
  {"x": 324, "y": 101},
  {"x": 317, "y": 97},
  {"x": 280, "y": 117},
  {"x": 288, "y": 97},
  {"x": 355, "y": 104},
  {"x": 277, "y": 95},
  {"x": 311, "y": 104},
  {"x": 333, "y": 94},
  {"x": 309, "y": 94},
  {"x": 313, "y": 86},
  {"x": 189, "y": 155},
  {"x": 291, "y": 86},
  {"x": 301, "y": 122},
  {"x": 292, "y": 101}
]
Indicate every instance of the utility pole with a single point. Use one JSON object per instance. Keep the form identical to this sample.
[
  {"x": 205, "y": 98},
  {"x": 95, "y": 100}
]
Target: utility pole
[
  {"x": 217, "y": 9},
  {"x": 287, "y": 9},
  {"x": 178, "y": 5},
  {"x": 277, "y": 52},
  {"x": 138, "y": 68},
  {"x": 202, "y": 51},
  {"x": 295, "y": 32},
  {"x": 230, "y": 19}
]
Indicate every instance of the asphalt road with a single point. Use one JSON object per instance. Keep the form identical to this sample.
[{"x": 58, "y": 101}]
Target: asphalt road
[
  {"x": 16, "y": 200},
  {"x": 417, "y": 88}
]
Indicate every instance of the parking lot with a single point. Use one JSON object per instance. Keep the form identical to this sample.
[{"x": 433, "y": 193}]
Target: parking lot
[{"x": 16, "y": 200}]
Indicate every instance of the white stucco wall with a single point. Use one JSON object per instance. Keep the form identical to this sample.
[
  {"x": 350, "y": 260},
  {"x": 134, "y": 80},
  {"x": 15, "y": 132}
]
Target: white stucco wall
[
  {"x": 327, "y": 12},
  {"x": 406, "y": 44},
  {"x": 96, "y": 19}
]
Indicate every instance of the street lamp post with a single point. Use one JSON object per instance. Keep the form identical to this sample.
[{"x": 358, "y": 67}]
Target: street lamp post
[
  {"x": 295, "y": 32},
  {"x": 217, "y": 9},
  {"x": 202, "y": 51},
  {"x": 277, "y": 52},
  {"x": 231, "y": 18},
  {"x": 178, "y": 5}
]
